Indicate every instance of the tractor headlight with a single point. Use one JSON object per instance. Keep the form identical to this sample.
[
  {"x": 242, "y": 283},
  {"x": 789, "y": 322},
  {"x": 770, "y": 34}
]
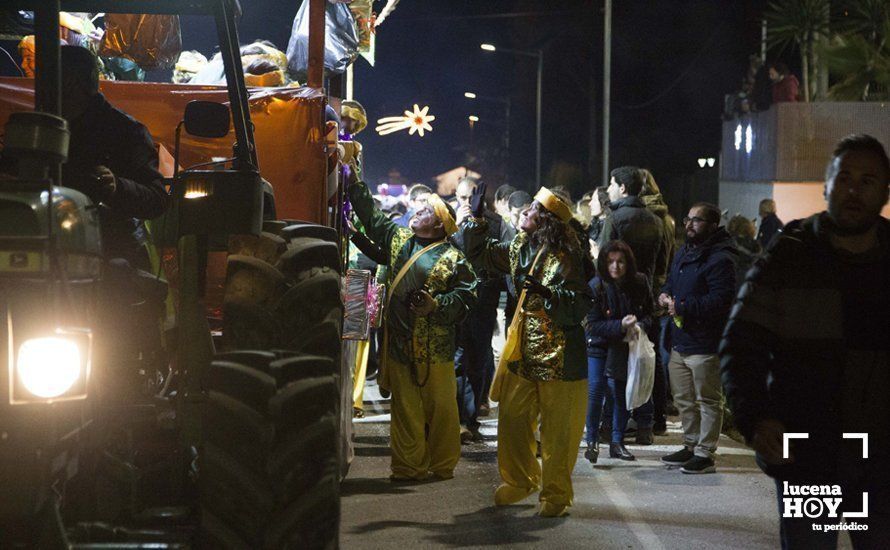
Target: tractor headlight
[{"x": 48, "y": 367}]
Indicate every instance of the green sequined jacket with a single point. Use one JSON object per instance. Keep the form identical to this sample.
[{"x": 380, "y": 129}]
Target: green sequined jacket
[
  {"x": 553, "y": 342},
  {"x": 443, "y": 272}
]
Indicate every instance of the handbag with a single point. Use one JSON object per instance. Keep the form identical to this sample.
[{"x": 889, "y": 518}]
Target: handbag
[{"x": 512, "y": 350}]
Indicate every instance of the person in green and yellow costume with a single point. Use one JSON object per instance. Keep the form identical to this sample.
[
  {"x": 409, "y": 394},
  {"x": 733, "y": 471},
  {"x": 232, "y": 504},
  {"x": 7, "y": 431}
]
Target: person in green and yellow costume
[
  {"x": 430, "y": 288},
  {"x": 543, "y": 369}
]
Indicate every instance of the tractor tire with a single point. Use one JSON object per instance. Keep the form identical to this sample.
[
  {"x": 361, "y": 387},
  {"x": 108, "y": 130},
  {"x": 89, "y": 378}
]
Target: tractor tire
[
  {"x": 270, "y": 463},
  {"x": 268, "y": 471}
]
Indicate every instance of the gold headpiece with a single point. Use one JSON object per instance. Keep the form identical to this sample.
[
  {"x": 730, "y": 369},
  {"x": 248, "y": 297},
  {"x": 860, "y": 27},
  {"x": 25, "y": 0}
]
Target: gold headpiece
[
  {"x": 554, "y": 204},
  {"x": 441, "y": 210},
  {"x": 354, "y": 110}
]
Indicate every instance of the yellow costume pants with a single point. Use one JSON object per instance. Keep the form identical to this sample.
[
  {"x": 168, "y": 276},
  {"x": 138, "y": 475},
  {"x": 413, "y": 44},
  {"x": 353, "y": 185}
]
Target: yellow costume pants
[
  {"x": 361, "y": 370},
  {"x": 425, "y": 429},
  {"x": 562, "y": 407}
]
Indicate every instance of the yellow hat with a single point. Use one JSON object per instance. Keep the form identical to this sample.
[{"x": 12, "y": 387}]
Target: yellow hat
[
  {"x": 442, "y": 212},
  {"x": 554, "y": 204},
  {"x": 355, "y": 111}
]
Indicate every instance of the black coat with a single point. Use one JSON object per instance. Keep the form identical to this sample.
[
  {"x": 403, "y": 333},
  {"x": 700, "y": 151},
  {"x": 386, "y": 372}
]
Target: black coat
[
  {"x": 611, "y": 303},
  {"x": 770, "y": 226},
  {"x": 809, "y": 327},
  {"x": 642, "y": 230},
  {"x": 103, "y": 135},
  {"x": 702, "y": 282}
]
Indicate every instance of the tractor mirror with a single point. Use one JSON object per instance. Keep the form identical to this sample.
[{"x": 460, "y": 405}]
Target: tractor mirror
[{"x": 207, "y": 119}]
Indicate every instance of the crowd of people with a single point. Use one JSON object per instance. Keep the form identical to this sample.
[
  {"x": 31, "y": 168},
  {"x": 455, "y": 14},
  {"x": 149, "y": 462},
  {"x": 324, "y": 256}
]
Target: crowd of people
[{"x": 569, "y": 285}]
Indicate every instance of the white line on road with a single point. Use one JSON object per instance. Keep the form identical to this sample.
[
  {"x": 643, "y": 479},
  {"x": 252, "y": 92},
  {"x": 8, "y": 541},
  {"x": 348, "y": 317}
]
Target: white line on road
[{"x": 629, "y": 513}]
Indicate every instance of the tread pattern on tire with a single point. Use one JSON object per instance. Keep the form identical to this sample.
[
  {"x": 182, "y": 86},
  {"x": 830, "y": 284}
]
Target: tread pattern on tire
[{"x": 269, "y": 464}]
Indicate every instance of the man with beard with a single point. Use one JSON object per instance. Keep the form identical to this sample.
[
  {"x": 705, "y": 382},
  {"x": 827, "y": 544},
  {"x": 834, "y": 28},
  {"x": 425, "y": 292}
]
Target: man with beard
[
  {"x": 698, "y": 295},
  {"x": 807, "y": 350}
]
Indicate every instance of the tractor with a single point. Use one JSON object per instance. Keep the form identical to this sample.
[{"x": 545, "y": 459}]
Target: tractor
[{"x": 219, "y": 423}]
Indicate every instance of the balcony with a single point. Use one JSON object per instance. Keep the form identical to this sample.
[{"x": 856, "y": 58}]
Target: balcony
[{"x": 782, "y": 153}]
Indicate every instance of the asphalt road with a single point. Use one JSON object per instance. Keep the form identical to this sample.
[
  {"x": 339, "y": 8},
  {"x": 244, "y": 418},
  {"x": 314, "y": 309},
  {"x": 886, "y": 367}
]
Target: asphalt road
[{"x": 641, "y": 504}]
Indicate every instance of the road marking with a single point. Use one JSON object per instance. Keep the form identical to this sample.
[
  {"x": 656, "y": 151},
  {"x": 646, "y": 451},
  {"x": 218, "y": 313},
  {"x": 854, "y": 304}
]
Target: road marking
[{"x": 629, "y": 513}]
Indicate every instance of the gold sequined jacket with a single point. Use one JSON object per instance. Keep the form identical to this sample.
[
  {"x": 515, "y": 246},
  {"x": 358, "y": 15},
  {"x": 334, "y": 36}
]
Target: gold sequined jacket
[
  {"x": 553, "y": 343},
  {"x": 443, "y": 272}
]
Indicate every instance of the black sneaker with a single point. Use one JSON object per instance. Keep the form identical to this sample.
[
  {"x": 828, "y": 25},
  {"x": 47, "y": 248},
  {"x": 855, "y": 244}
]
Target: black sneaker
[
  {"x": 679, "y": 458},
  {"x": 698, "y": 465},
  {"x": 660, "y": 428}
]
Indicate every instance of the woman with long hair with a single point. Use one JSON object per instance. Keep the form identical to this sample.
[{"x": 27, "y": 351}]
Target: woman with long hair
[
  {"x": 599, "y": 212},
  {"x": 622, "y": 298},
  {"x": 543, "y": 369}
]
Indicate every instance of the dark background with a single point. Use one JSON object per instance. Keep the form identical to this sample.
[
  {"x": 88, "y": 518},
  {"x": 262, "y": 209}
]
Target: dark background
[{"x": 672, "y": 63}]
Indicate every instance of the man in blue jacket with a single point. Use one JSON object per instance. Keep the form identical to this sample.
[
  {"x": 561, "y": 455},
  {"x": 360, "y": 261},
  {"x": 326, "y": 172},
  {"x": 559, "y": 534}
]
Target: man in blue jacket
[{"x": 698, "y": 295}]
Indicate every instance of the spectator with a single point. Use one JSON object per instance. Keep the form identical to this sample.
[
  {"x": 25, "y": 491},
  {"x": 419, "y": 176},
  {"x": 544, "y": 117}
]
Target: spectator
[
  {"x": 651, "y": 197},
  {"x": 599, "y": 215},
  {"x": 631, "y": 221},
  {"x": 643, "y": 231},
  {"x": 770, "y": 224},
  {"x": 742, "y": 231},
  {"x": 806, "y": 350},
  {"x": 785, "y": 87},
  {"x": 474, "y": 358},
  {"x": 418, "y": 195},
  {"x": 622, "y": 297},
  {"x": 518, "y": 201},
  {"x": 582, "y": 210},
  {"x": 698, "y": 294},
  {"x": 502, "y": 199}
]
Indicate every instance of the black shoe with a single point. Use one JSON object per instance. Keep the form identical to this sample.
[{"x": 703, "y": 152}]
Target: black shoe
[
  {"x": 385, "y": 393},
  {"x": 679, "y": 458},
  {"x": 644, "y": 437},
  {"x": 659, "y": 428},
  {"x": 670, "y": 409},
  {"x": 618, "y": 450},
  {"x": 605, "y": 432},
  {"x": 593, "y": 452},
  {"x": 698, "y": 465}
]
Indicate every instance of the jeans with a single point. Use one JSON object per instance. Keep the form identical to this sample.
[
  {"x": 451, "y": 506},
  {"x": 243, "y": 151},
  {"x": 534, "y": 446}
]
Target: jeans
[{"x": 597, "y": 384}]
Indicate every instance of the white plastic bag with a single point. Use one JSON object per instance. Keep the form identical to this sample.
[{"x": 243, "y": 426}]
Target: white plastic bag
[{"x": 640, "y": 368}]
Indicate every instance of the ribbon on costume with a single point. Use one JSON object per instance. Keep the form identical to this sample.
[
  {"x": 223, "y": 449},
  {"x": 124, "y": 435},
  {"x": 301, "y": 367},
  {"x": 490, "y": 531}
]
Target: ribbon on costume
[
  {"x": 441, "y": 210},
  {"x": 554, "y": 204}
]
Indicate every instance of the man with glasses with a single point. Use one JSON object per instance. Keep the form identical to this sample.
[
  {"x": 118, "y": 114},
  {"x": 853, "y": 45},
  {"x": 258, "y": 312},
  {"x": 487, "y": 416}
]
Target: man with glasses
[{"x": 698, "y": 295}]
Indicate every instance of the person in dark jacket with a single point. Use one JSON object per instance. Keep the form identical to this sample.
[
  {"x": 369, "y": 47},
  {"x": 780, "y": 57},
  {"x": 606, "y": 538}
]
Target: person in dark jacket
[
  {"x": 599, "y": 216},
  {"x": 698, "y": 295},
  {"x": 643, "y": 231},
  {"x": 770, "y": 224},
  {"x": 631, "y": 221},
  {"x": 807, "y": 351},
  {"x": 622, "y": 297},
  {"x": 111, "y": 159},
  {"x": 651, "y": 197}
]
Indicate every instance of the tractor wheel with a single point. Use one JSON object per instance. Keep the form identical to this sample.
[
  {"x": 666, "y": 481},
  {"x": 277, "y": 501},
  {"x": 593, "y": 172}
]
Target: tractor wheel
[
  {"x": 269, "y": 468},
  {"x": 268, "y": 474}
]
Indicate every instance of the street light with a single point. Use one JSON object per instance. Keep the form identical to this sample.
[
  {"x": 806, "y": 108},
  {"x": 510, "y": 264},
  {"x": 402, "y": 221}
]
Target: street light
[
  {"x": 505, "y": 101},
  {"x": 539, "y": 55},
  {"x": 473, "y": 118}
]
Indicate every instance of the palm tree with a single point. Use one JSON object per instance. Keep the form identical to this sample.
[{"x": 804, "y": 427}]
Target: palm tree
[
  {"x": 801, "y": 24},
  {"x": 860, "y": 56}
]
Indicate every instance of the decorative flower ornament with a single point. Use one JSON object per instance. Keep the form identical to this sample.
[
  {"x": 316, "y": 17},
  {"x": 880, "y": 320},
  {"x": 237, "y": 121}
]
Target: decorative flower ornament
[{"x": 417, "y": 121}]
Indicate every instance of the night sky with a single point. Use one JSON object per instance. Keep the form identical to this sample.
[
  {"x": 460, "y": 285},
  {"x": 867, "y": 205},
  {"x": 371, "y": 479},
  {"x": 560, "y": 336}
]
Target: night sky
[{"x": 672, "y": 63}]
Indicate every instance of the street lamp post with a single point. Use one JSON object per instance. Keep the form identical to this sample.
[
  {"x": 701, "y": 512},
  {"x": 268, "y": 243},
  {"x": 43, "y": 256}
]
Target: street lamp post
[{"x": 539, "y": 55}]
